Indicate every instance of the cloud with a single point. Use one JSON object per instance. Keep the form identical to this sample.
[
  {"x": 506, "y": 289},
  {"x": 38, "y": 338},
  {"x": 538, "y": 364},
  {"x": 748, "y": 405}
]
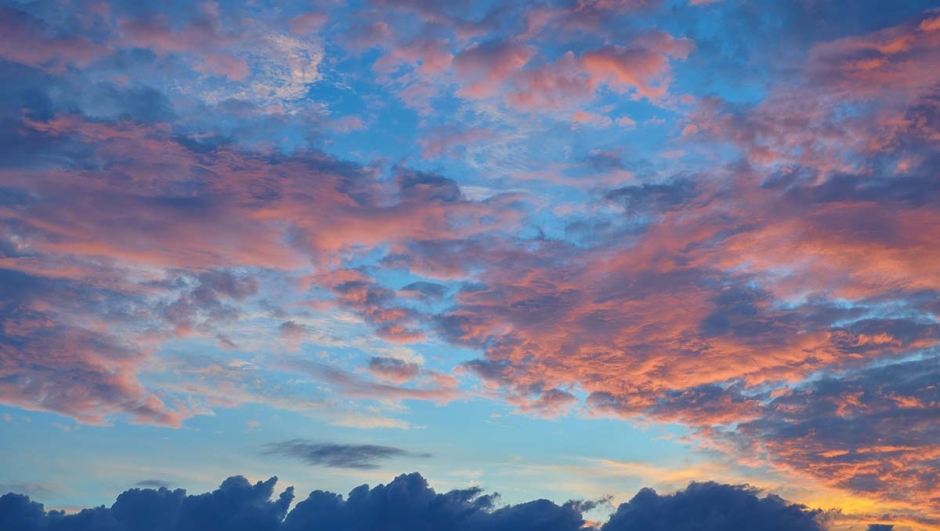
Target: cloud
[
  {"x": 31, "y": 41},
  {"x": 451, "y": 142},
  {"x": 641, "y": 67},
  {"x": 351, "y": 385},
  {"x": 393, "y": 369},
  {"x": 711, "y": 507},
  {"x": 236, "y": 505},
  {"x": 359, "y": 456},
  {"x": 96, "y": 285},
  {"x": 883, "y": 62},
  {"x": 869, "y": 430},
  {"x": 49, "y": 364},
  {"x": 270, "y": 69},
  {"x": 587, "y": 118},
  {"x": 407, "y": 502},
  {"x": 486, "y": 65},
  {"x": 749, "y": 287}
]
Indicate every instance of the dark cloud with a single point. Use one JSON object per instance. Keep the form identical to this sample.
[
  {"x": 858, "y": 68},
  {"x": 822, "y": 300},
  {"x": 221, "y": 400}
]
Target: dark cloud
[
  {"x": 711, "y": 507},
  {"x": 428, "y": 289},
  {"x": 236, "y": 505},
  {"x": 360, "y": 456},
  {"x": 653, "y": 197},
  {"x": 419, "y": 186},
  {"x": 19, "y": 512},
  {"x": 409, "y": 503}
]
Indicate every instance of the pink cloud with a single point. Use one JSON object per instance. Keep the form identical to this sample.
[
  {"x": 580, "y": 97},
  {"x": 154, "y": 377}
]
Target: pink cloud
[
  {"x": 443, "y": 142},
  {"x": 348, "y": 124},
  {"x": 86, "y": 373},
  {"x": 394, "y": 370},
  {"x": 483, "y": 67},
  {"x": 594, "y": 120},
  {"x": 890, "y": 61},
  {"x": 307, "y": 23},
  {"x": 232, "y": 67},
  {"x": 558, "y": 84},
  {"x": 642, "y": 67},
  {"x": 427, "y": 56},
  {"x": 355, "y": 387},
  {"x": 28, "y": 41}
]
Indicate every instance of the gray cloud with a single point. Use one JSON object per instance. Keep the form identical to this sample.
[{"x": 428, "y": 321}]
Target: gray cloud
[{"x": 359, "y": 456}]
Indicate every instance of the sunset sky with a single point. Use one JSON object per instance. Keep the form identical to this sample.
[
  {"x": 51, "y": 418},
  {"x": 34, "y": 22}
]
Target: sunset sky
[{"x": 559, "y": 249}]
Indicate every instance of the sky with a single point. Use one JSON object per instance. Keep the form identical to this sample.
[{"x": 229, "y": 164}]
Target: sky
[{"x": 614, "y": 260}]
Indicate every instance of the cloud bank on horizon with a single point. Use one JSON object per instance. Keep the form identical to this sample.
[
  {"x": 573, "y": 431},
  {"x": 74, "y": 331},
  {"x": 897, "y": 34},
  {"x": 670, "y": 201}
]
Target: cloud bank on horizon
[
  {"x": 408, "y": 502},
  {"x": 712, "y": 214}
]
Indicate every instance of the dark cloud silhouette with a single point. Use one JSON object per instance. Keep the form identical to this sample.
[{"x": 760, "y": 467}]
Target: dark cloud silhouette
[
  {"x": 409, "y": 503},
  {"x": 18, "y": 512},
  {"x": 361, "y": 456},
  {"x": 711, "y": 507},
  {"x": 236, "y": 505}
]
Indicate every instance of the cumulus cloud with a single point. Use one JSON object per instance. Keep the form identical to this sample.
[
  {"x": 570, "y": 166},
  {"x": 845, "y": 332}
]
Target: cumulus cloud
[
  {"x": 407, "y": 502},
  {"x": 711, "y": 507},
  {"x": 235, "y": 505}
]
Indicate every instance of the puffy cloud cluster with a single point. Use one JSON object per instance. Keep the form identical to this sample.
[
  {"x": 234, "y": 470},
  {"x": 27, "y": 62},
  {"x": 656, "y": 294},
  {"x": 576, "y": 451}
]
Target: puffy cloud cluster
[
  {"x": 711, "y": 507},
  {"x": 236, "y": 505},
  {"x": 408, "y": 502}
]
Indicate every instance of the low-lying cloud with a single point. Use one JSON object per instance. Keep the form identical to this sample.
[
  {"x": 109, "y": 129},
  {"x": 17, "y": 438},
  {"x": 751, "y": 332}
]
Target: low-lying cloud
[{"x": 408, "y": 502}]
